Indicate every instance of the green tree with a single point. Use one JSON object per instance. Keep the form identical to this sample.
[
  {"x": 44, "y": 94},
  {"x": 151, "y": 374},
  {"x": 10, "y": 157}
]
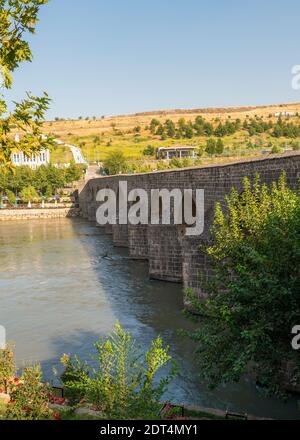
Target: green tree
[
  {"x": 170, "y": 128},
  {"x": 11, "y": 197},
  {"x": 29, "y": 194},
  {"x": 18, "y": 18},
  {"x": 21, "y": 178},
  {"x": 73, "y": 173},
  {"x": 189, "y": 132},
  {"x": 116, "y": 163},
  {"x": 122, "y": 385},
  {"x": 211, "y": 147},
  {"x": 254, "y": 299},
  {"x": 149, "y": 151},
  {"x": 153, "y": 125},
  {"x": 181, "y": 124},
  {"x": 56, "y": 177},
  {"x": 4, "y": 183}
]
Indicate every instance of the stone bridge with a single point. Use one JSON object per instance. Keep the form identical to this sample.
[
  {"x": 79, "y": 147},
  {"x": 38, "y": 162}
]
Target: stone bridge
[{"x": 172, "y": 255}]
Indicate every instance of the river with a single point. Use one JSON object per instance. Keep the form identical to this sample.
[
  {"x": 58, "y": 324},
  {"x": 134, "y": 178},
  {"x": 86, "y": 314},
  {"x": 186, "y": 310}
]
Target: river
[{"x": 63, "y": 284}]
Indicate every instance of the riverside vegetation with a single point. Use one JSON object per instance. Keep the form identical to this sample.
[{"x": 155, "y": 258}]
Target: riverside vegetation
[
  {"x": 120, "y": 381},
  {"x": 33, "y": 185},
  {"x": 244, "y": 325},
  {"x": 253, "y": 299}
]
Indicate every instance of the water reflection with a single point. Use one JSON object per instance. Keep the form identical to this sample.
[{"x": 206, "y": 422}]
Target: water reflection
[{"x": 63, "y": 284}]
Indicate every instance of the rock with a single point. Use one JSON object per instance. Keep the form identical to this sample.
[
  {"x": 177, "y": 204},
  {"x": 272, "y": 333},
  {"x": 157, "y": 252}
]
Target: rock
[{"x": 87, "y": 412}]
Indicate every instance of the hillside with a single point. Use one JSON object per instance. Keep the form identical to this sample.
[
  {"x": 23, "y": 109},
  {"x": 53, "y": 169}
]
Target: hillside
[{"x": 131, "y": 133}]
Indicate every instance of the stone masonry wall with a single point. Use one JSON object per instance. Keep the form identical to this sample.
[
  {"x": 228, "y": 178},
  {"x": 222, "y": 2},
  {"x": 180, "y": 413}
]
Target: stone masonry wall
[
  {"x": 173, "y": 256},
  {"x": 37, "y": 213}
]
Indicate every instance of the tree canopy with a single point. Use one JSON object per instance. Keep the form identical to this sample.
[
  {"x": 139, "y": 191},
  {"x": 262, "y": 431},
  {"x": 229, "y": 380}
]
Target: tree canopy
[
  {"x": 254, "y": 299},
  {"x": 18, "y": 18},
  {"x": 116, "y": 163}
]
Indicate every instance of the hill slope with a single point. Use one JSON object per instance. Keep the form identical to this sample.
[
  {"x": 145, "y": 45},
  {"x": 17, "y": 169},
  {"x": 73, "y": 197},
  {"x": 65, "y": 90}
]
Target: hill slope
[{"x": 132, "y": 134}]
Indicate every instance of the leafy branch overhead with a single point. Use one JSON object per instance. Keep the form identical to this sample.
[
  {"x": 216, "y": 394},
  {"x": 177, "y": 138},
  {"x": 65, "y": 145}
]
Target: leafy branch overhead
[{"x": 18, "y": 18}]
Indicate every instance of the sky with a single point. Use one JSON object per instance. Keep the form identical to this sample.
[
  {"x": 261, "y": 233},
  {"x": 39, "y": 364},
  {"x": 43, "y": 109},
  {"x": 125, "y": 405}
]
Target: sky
[{"x": 97, "y": 57}]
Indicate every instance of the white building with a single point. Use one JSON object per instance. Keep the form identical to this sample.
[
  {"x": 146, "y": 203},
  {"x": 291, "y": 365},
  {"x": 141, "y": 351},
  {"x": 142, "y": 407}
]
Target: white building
[
  {"x": 180, "y": 152},
  {"x": 33, "y": 161},
  {"x": 286, "y": 114},
  {"x": 42, "y": 157}
]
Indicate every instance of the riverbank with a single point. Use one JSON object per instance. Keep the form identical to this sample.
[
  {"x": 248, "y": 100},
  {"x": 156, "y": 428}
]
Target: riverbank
[
  {"x": 63, "y": 285},
  {"x": 38, "y": 213}
]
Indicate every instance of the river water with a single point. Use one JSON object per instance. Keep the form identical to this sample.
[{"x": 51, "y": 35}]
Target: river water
[{"x": 63, "y": 284}]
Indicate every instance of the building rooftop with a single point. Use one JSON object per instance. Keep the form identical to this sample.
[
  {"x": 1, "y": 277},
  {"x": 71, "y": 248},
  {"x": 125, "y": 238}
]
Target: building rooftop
[{"x": 177, "y": 147}]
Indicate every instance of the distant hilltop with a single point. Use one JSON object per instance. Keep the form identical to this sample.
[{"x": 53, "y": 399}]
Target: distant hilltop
[
  {"x": 216, "y": 110},
  {"x": 87, "y": 125},
  {"x": 245, "y": 131}
]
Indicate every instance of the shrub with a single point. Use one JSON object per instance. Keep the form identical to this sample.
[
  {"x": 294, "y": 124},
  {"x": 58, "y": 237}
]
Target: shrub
[
  {"x": 149, "y": 151},
  {"x": 162, "y": 165},
  {"x": 7, "y": 367},
  {"x": 122, "y": 383},
  {"x": 175, "y": 163},
  {"x": 29, "y": 194},
  {"x": 116, "y": 163},
  {"x": 29, "y": 397},
  {"x": 11, "y": 197},
  {"x": 276, "y": 149},
  {"x": 211, "y": 147}
]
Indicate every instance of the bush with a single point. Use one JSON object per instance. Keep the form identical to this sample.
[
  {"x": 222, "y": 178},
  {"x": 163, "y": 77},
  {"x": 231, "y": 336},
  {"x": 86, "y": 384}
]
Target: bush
[
  {"x": 7, "y": 367},
  {"x": 122, "y": 383},
  {"x": 29, "y": 194},
  {"x": 29, "y": 397},
  {"x": 296, "y": 145},
  {"x": 11, "y": 197},
  {"x": 149, "y": 151},
  {"x": 73, "y": 173},
  {"x": 116, "y": 163},
  {"x": 276, "y": 149},
  {"x": 175, "y": 163}
]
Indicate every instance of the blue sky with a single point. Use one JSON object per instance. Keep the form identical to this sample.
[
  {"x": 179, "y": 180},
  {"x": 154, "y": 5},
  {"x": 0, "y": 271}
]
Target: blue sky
[{"x": 97, "y": 57}]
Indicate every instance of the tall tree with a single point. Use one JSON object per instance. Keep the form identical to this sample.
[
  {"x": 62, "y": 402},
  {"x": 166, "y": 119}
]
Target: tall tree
[{"x": 253, "y": 300}]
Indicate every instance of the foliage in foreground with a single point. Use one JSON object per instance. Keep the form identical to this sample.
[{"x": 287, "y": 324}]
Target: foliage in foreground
[
  {"x": 254, "y": 300},
  {"x": 7, "y": 367},
  {"x": 29, "y": 397},
  {"x": 122, "y": 384}
]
